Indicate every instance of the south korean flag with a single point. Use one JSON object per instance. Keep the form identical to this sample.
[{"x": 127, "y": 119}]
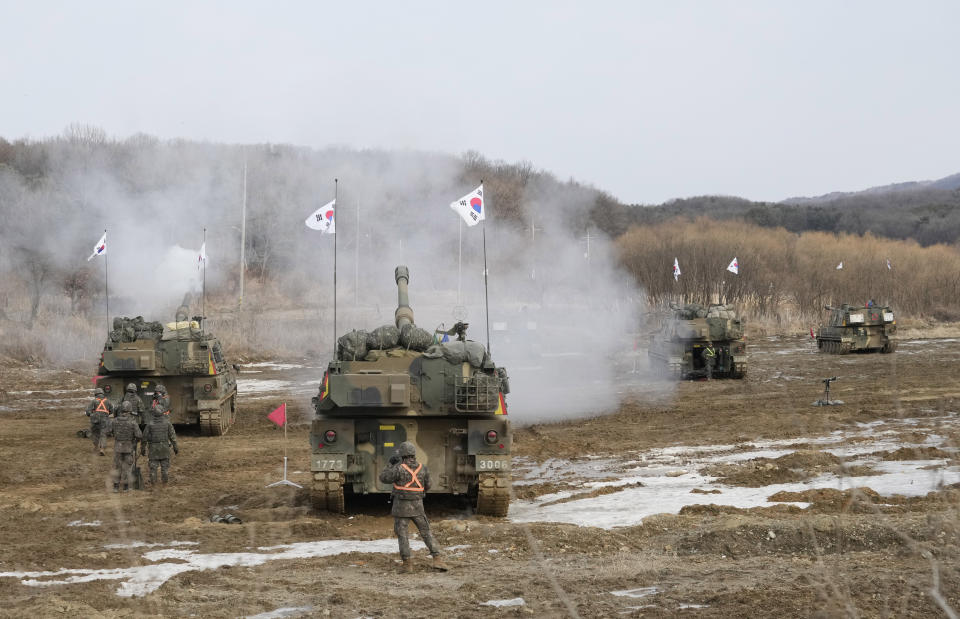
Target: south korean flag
[
  {"x": 471, "y": 207},
  {"x": 323, "y": 218}
]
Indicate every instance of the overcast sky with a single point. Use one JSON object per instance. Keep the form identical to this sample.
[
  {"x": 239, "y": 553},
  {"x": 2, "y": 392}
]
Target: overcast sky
[{"x": 647, "y": 100}]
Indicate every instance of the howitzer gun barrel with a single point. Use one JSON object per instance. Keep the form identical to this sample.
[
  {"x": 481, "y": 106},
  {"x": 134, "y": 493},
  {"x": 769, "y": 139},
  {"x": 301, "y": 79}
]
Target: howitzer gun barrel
[{"x": 404, "y": 314}]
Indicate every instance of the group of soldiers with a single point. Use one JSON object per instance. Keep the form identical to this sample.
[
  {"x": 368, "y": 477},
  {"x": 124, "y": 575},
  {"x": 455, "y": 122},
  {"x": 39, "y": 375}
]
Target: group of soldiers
[{"x": 129, "y": 427}]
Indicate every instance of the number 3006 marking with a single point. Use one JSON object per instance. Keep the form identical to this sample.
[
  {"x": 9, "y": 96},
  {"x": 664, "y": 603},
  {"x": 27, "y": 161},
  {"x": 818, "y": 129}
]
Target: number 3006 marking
[{"x": 491, "y": 465}]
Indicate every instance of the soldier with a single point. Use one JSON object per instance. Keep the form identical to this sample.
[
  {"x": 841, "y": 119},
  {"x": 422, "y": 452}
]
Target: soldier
[
  {"x": 160, "y": 435},
  {"x": 160, "y": 402},
  {"x": 410, "y": 481},
  {"x": 709, "y": 358},
  {"x": 99, "y": 410},
  {"x": 137, "y": 407},
  {"x": 126, "y": 433}
]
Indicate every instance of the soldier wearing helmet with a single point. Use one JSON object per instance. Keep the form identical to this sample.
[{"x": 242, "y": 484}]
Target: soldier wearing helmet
[
  {"x": 161, "y": 402},
  {"x": 410, "y": 480},
  {"x": 709, "y": 358},
  {"x": 160, "y": 436},
  {"x": 126, "y": 433},
  {"x": 99, "y": 410},
  {"x": 138, "y": 410}
]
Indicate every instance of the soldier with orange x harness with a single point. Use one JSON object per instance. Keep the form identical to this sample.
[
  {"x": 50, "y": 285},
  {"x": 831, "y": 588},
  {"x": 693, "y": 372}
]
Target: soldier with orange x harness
[
  {"x": 99, "y": 410},
  {"x": 410, "y": 480}
]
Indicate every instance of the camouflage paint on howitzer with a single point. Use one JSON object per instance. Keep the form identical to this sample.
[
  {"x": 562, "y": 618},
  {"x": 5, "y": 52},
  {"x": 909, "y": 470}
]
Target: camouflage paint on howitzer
[
  {"x": 858, "y": 329},
  {"x": 676, "y": 349},
  {"x": 448, "y": 400},
  {"x": 189, "y": 362}
]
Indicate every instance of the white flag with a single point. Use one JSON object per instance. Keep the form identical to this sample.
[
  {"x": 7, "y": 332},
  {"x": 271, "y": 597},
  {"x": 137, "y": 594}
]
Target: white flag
[
  {"x": 734, "y": 266},
  {"x": 676, "y": 269},
  {"x": 840, "y": 266},
  {"x": 100, "y": 248},
  {"x": 471, "y": 207},
  {"x": 202, "y": 258},
  {"x": 323, "y": 218}
]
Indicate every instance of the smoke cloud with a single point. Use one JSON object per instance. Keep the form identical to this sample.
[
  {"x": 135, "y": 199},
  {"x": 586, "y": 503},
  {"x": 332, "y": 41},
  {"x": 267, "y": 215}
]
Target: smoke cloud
[{"x": 562, "y": 314}]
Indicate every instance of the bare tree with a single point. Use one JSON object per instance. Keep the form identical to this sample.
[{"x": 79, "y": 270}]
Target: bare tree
[{"x": 37, "y": 269}]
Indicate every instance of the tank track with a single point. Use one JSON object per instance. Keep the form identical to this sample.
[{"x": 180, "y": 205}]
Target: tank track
[
  {"x": 493, "y": 495},
  {"x": 834, "y": 347},
  {"x": 218, "y": 422},
  {"x": 327, "y": 492}
]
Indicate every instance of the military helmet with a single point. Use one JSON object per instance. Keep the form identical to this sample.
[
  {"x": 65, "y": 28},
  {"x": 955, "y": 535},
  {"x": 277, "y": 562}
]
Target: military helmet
[
  {"x": 98, "y": 391},
  {"x": 131, "y": 387},
  {"x": 126, "y": 407},
  {"x": 406, "y": 449},
  {"x": 161, "y": 389}
]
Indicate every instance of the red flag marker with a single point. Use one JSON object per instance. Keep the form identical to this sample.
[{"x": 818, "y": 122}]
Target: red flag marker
[{"x": 279, "y": 415}]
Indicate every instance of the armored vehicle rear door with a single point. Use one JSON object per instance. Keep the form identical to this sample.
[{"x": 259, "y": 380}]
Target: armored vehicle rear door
[{"x": 387, "y": 438}]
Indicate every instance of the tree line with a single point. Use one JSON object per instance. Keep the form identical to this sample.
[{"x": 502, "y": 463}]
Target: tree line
[{"x": 785, "y": 274}]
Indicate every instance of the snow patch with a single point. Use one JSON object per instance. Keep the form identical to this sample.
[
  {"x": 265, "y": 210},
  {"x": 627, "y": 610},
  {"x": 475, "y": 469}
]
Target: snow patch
[
  {"x": 256, "y": 385},
  {"x": 653, "y": 481},
  {"x": 288, "y": 611},
  {"x": 501, "y": 603},
  {"x": 142, "y": 579},
  {"x": 274, "y": 366},
  {"x": 81, "y": 523},
  {"x": 642, "y": 592}
]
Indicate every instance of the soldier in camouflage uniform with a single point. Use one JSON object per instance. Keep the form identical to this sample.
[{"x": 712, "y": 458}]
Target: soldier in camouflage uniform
[
  {"x": 709, "y": 358},
  {"x": 138, "y": 409},
  {"x": 410, "y": 481},
  {"x": 126, "y": 433},
  {"x": 99, "y": 410},
  {"x": 160, "y": 436},
  {"x": 161, "y": 401}
]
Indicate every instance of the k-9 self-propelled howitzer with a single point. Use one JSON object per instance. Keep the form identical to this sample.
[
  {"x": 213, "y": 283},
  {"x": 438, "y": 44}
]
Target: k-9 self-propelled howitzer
[
  {"x": 181, "y": 356},
  {"x": 678, "y": 349},
  {"x": 396, "y": 384},
  {"x": 858, "y": 329}
]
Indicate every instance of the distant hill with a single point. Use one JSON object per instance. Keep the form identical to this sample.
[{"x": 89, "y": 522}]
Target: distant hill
[
  {"x": 947, "y": 183},
  {"x": 925, "y": 211}
]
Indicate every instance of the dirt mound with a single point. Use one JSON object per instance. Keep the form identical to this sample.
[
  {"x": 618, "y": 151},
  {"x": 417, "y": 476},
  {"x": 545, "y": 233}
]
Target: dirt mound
[
  {"x": 829, "y": 500},
  {"x": 759, "y": 472},
  {"x": 915, "y": 453}
]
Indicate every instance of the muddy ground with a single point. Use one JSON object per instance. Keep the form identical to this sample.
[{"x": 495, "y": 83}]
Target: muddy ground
[{"x": 848, "y": 552}]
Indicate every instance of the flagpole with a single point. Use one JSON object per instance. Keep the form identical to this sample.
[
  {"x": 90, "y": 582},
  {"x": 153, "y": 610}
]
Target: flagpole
[
  {"x": 203, "y": 292},
  {"x": 335, "y": 195},
  {"x": 243, "y": 228},
  {"x": 106, "y": 280},
  {"x": 486, "y": 294},
  {"x": 460, "y": 261},
  {"x": 356, "y": 263}
]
